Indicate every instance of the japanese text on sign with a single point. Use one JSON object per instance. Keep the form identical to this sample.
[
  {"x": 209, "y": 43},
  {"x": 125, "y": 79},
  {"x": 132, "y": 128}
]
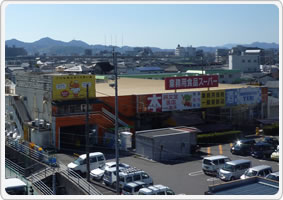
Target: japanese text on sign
[{"x": 173, "y": 83}]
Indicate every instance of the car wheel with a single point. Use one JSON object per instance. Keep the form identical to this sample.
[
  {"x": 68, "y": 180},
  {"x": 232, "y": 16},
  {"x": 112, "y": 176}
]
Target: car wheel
[
  {"x": 114, "y": 185},
  {"x": 232, "y": 178}
]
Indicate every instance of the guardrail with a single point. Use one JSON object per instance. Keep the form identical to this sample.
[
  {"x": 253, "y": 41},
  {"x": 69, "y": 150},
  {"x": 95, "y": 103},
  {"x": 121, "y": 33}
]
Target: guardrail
[
  {"x": 22, "y": 148},
  {"x": 77, "y": 179},
  {"x": 36, "y": 182},
  {"x": 14, "y": 167},
  {"x": 44, "y": 189},
  {"x": 61, "y": 168}
]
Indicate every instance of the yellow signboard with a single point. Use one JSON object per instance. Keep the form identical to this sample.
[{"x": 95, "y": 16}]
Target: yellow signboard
[
  {"x": 213, "y": 98},
  {"x": 68, "y": 87}
]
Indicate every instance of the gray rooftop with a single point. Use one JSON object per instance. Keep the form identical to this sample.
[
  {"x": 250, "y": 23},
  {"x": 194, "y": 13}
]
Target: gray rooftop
[{"x": 250, "y": 186}]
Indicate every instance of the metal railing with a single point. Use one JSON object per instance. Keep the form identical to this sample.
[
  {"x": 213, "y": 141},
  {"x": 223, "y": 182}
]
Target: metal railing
[
  {"x": 77, "y": 179},
  {"x": 22, "y": 148},
  {"x": 44, "y": 189},
  {"x": 14, "y": 167},
  {"x": 61, "y": 168},
  {"x": 35, "y": 181}
]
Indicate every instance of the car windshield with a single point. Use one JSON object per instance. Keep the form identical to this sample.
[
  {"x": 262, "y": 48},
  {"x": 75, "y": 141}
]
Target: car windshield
[
  {"x": 79, "y": 161},
  {"x": 228, "y": 167},
  {"x": 250, "y": 173},
  {"x": 207, "y": 162}
]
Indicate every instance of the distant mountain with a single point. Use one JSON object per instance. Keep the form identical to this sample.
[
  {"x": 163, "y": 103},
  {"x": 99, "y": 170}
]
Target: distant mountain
[{"x": 50, "y": 46}]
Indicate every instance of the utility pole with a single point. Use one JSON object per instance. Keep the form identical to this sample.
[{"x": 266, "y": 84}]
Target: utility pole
[
  {"x": 116, "y": 123},
  {"x": 87, "y": 137}
]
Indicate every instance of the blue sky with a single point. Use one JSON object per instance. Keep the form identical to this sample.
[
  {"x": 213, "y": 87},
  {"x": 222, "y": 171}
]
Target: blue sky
[{"x": 163, "y": 26}]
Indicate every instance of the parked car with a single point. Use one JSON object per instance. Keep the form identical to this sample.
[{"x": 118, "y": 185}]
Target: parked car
[
  {"x": 271, "y": 140},
  {"x": 212, "y": 164},
  {"x": 273, "y": 176},
  {"x": 133, "y": 188},
  {"x": 275, "y": 154},
  {"x": 261, "y": 170},
  {"x": 262, "y": 150},
  {"x": 97, "y": 174},
  {"x": 156, "y": 190},
  {"x": 126, "y": 176},
  {"x": 243, "y": 147},
  {"x": 234, "y": 169},
  {"x": 96, "y": 160}
]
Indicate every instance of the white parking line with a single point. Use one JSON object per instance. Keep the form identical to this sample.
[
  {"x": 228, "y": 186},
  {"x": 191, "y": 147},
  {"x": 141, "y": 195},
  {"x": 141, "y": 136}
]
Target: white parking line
[
  {"x": 261, "y": 160},
  {"x": 212, "y": 179},
  {"x": 195, "y": 173}
]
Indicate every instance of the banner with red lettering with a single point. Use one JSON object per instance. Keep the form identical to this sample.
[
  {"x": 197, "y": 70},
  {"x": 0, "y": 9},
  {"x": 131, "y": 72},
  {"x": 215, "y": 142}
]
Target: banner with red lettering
[{"x": 187, "y": 82}]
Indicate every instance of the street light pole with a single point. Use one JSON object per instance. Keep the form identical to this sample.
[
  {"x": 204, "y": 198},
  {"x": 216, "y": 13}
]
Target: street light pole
[
  {"x": 87, "y": 138},
  {"x": 116, "y": 124}
]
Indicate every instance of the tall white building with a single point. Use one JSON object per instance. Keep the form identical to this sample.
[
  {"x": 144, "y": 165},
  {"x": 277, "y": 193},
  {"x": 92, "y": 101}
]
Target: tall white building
[
  {"x": 245, "y": 63},
  {"x": 180, "y": 51}
]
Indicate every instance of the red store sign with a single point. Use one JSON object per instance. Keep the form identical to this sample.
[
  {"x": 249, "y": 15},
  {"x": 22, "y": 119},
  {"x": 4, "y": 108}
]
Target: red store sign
[{"x": 187, "y": 82}]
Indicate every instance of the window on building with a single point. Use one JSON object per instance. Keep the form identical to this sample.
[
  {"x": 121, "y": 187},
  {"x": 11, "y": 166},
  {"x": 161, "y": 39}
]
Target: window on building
[
  {"x": 208, "y": 95},
  {"x": 217, "y": 101},
  {"x": 230, "y": 75},
  {"x": 243, "y": 61},
  {"x": 208, "y": 102},
  {"x": 212, "y": 101},
  {"x": 222, "y": 101},
  {"x": 221, "y": 76},
  {"x": 203, "y": 95},
  {"x": 255, "y": 61},
  {"x": 212, "y": 94},
  {"x": 217, "y": 94},
  {"x": 222, "y": 94},
  {"x": 249, "y": 61}
]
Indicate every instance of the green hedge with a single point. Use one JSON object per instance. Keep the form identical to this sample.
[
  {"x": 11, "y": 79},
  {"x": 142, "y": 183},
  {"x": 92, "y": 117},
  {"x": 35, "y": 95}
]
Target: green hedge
[
  {"x": 271, "y": 129},
  {"x": 218, "y": 137}
]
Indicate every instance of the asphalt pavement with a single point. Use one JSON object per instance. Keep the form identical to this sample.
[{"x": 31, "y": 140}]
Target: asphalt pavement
[{"x": 183, "y": 176}]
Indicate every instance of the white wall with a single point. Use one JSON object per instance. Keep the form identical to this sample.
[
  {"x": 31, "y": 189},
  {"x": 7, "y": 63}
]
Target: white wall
[{"x": 245, "y": 63}]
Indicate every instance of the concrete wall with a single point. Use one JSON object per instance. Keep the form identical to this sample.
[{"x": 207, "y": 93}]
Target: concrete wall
[
  {"x": 165, "y": 148},
  {"x": 144, "y": 146},
  {"x": 41, "y": 138},
  {"x": 173, "y": 146},
  {"x": 241, "y": 62}
]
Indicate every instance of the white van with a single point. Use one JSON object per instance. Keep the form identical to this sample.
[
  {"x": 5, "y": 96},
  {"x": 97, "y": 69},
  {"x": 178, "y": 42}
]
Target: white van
[
  {"x": 126, "y": 175},
  {"x": 96, "y": 160},
  {"x": 156, "y": 190},
  {"x": 15, "y": 186},
  {"x": 211, "y": 164},
  {"x": 261, "y": 170},
  {"x": 234, "y": 169}
]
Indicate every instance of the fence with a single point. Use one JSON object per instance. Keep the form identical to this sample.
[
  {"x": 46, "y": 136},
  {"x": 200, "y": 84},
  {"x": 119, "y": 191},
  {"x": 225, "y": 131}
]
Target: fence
[
  {"x": 36, "y": 182},
  {"x": 60, "y": 168},
  {"x": 77, "y": 179}
]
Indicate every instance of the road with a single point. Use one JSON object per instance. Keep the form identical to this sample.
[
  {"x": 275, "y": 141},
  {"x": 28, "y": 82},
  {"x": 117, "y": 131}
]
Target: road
[{"x": 185, "y": 176}]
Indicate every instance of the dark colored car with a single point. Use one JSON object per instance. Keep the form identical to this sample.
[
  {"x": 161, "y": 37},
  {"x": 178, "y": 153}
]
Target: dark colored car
[
  {"x": 243, "y": 147},
  {"x": 262, "y": 150},
  {"x": 271, "y": 140}
]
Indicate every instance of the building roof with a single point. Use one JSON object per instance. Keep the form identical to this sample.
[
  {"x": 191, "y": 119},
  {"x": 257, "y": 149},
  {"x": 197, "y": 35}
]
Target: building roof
[
  {"x": 149, "y": 69},
  {"x": 165, "y": 131},
  {"x": 250, "y": 186},
  {"x": 133, "y": 86},
  {"x": 272, "y": 84}
]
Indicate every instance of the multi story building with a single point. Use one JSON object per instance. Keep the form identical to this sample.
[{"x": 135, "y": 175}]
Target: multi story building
[{"x": 180, "y": 51}]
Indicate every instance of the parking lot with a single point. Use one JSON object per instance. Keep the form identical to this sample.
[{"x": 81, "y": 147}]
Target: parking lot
[{"x": 184, "y": 176}]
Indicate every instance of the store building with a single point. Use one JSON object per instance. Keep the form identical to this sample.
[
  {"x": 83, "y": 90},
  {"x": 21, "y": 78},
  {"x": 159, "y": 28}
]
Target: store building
[{"x": 56, "y": 103}]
